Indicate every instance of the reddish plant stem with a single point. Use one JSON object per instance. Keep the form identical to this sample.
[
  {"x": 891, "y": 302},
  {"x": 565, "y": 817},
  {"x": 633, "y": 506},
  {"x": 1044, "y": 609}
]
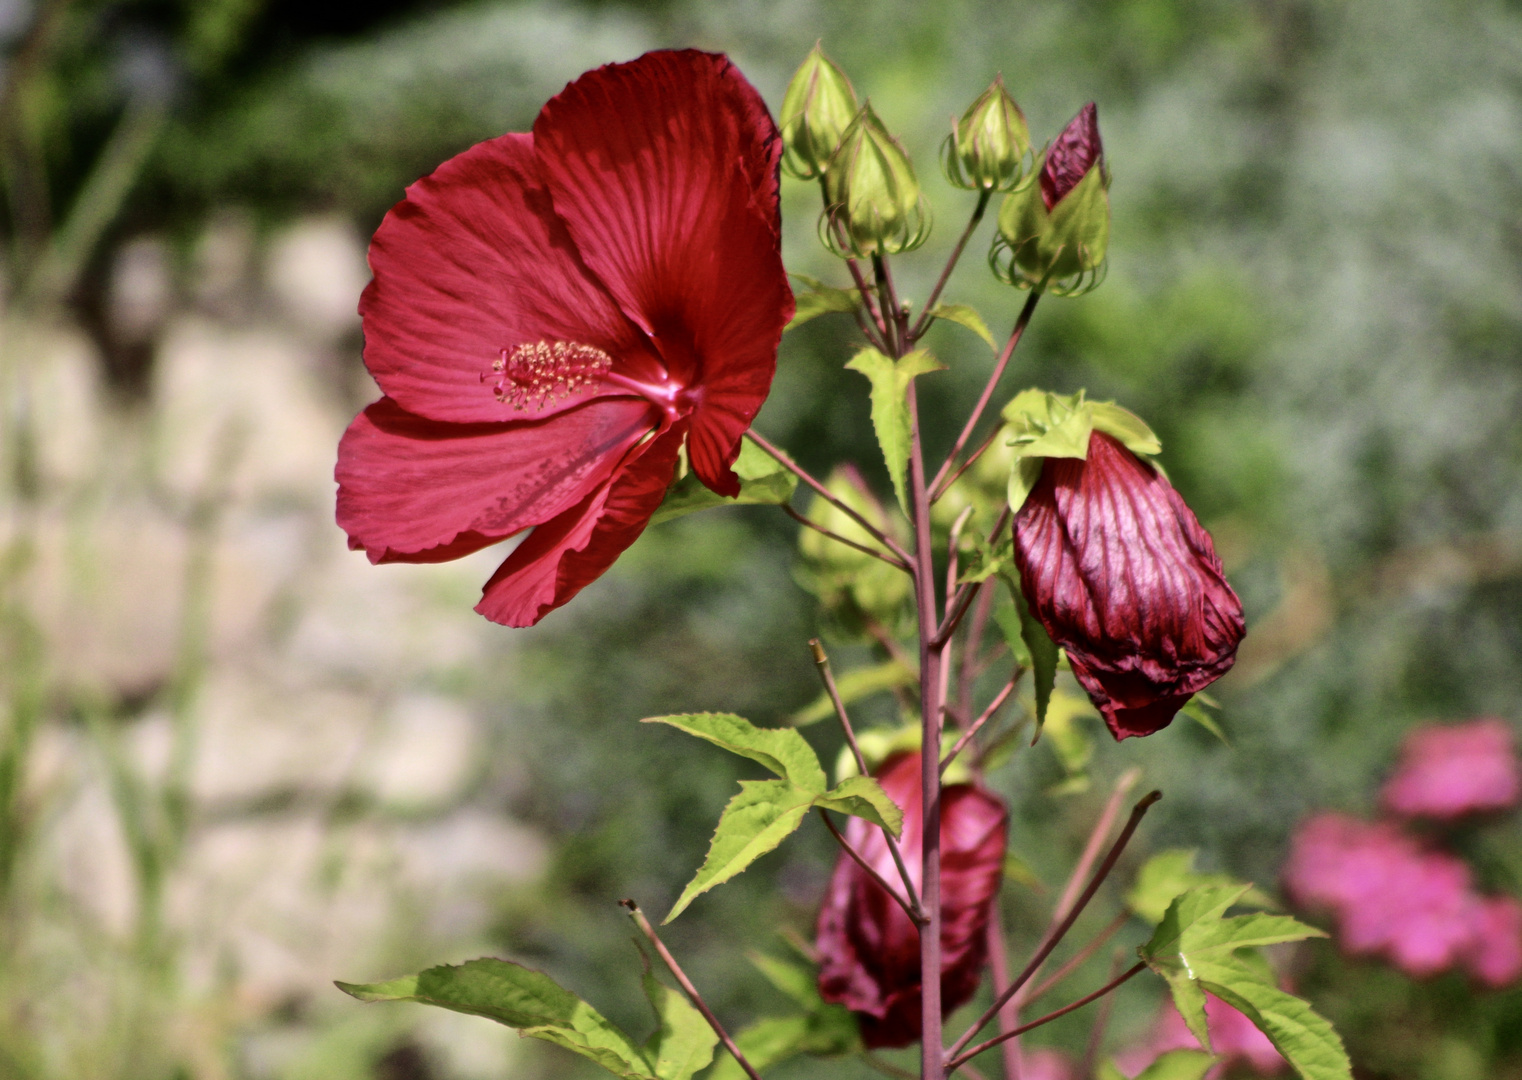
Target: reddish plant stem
[
  {"x": 988, "y": 389},
  {"x": 1130, "y": 973},
  {"x": 890, "y": 644},
  {"x": 956, "y": 605},
  {"x": 1079, "y": 958},
  {"x": 972, "y": 644},
  {"x": 1060, "y": 931},
  {"x": 1097, "y": 1031},
  {"x": 1009, "y": 1016},
  {"x": 782, "y": 458},
  {"x": 1097, "y": 837},
  {"x": 922, "y": 323},
  {"x": 686, "y": 984},
  {"x": 972, "y": 459},
  {"x": 835, "y": 536},
  {"x": 987, "y": 715},
  {"x": 827, "y": 676},
  {"x": 914, "y": 916}
]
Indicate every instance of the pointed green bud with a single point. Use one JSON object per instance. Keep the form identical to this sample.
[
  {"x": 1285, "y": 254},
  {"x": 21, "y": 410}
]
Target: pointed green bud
[
  {"x": 816, "y": 110},
  {"x": 987, "y": 147},
  {"x": 1054, "y": 234},
  {"x": 875, "y": 206}
]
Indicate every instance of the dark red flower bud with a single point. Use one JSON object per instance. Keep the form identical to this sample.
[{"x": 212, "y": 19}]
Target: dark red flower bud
[
  {"x": 869, "y": 951},
  {"x": 1073, "y": 154},
  {"x": 1123, "y": 577}
]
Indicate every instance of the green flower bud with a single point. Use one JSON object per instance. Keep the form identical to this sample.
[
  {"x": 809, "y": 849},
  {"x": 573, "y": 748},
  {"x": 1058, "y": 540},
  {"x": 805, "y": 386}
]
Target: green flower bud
[
  {"x": 816, "y": 110},
  {"x": 1053, "y": 235},
  {"x": 987, "y": 147},
  {"x": 875, "y": 206}
]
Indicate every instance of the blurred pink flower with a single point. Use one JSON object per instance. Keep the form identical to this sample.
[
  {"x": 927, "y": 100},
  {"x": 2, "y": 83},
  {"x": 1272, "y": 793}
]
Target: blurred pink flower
[
  {"x": 1234, "y": 1038},
  {"x": 1495, "y": 955},
  {"x": 1047, "y": 1063},
  {"x": 1451, "y": 770},
  {"x": 1393, "y": 896}
]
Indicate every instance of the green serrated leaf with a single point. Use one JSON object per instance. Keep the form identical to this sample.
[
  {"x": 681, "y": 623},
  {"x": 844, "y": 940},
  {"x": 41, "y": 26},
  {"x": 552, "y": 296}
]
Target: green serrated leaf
[
  {"x": 1171, "y": 873},
  {"x": 1306, "y": 1039},
  {"x": 683, "y": 1043},
  {"x": 854, "y": 685},
  {"x": 521, "y": 998},
  {"x": 782, "y": 750},
  {"x": 984, "y": 561},
  {"x": 890, "y": 410},
  {"x": 765, "y": 813},
  {"x": 1178, "y": 1065},
  {"x": 864, "y": 797},
  {"x": 821, "y": 299},
  {"x": 965, "y": 315},
  {"x": 1038, "y": 645},
  {"x": 1195, "y": 711},
  {"x": 1008, "y": 620},
  {"x": 763, "y": 481},
  {"x": 1195, "y": 949}
]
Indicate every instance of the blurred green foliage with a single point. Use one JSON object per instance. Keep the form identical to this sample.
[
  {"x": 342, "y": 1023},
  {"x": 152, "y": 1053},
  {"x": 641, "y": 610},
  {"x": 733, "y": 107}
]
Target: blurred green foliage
[{"x": 1314, "y": 299}]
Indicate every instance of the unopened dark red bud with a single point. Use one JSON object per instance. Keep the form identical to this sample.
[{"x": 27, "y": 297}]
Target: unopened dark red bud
[
  {"x": 1075, "y": 151},
  {"x": 869, "y": 951},
  {"x": 1123, "y": 577}
]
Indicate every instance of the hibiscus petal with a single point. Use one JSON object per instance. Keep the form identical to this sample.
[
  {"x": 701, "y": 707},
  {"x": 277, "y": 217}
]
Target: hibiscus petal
[
  {"x": 416, "y": 490},
  {"x": 664, "y": 171},
  {"x": 563, "y": 556},
  {"x": 473, "y": 262}
]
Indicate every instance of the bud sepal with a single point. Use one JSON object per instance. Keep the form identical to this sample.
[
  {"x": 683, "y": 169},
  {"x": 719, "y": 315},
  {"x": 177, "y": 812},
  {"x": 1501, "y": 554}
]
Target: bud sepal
[
  {"x": 817, "y": 108},
  {"x": 990, "y": 146},
  {"x": 874, "y": 204}
]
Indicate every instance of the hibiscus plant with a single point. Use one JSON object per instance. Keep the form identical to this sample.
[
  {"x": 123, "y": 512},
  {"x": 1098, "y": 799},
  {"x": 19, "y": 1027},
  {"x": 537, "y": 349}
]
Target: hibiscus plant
[{"x": 573, "y": 330}]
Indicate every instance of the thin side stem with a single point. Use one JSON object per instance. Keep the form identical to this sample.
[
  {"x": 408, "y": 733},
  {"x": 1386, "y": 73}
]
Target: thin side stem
[
  {"x": 914, "y": 916},
  {"x": 1130, "y": 973},
  {"x": 835, "y": 536},
  {"x": 1097, "y": 1031},
  {"x": 972, "y": 644},
  {"x": 972, "y": 459},
  {"x": 898, "y": 312},
  {"x": 1009, "y": 1016},
  {"x": 957, "y": 605},
  {"x": 922, "y": 324},
  {"x": 691, "y": 991},
  {"x": 988, "y": 389},
  {"x": 889, "y": 305},
  {"x": 827, "y": 676},
  {"x": 987, "y": 715},
  {"x": 781, "y": 457},
  {"x": 1097, "y": 837},
  {"x": 889, "y": 643},
  {"x": 1080, "y": 957},
  {"x": 1056, "y": 935}
]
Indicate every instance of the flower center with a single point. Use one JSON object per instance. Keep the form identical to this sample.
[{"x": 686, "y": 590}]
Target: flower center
[{"x": 540, "y": 373}]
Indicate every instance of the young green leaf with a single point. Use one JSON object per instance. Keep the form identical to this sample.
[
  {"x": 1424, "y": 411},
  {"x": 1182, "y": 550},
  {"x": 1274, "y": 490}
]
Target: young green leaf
[
  {"x": 820, "y": 300},
  {"x": 765, "y": 813},
  {"x": 854, "y": 685},
  {"x": 524, "y": 999},
  {"x": 1174, "y": 1065},
  {"x": 1194, "y": 709},
  {"x": 1038, "y": 644},
  {"x": 965, "y": 315},
  {"x": 1169, "y": 874},
  {"x": 682, "y": 1043},
  {"x": 782, "y": 750},
  {"x": 863, "y": 797},
  {"x": 890, "y": 409},
  {"x": 1195, "y": 949},
  {"x": 763, "y": 481}
]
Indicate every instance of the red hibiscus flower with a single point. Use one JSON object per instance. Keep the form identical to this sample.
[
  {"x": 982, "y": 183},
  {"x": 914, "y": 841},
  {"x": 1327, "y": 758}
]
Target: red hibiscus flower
[
  {"x": 1123, "y": 577},
  {"x": 554, "y": 314},
  {"x": 869, "y": 950}
]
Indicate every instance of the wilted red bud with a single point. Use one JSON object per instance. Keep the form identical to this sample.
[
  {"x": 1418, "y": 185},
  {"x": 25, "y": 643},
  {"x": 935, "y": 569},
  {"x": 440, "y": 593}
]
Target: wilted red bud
[
  {"x": 1123, "y": 577},
  {"x": 1074, "y": 153},
  {"x": 869, "y": 951}
]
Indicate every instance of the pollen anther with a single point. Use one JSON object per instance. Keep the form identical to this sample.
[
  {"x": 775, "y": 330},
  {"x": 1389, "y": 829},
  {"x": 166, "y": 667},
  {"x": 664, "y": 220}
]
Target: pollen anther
[{"x": 535, "y": 375}]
